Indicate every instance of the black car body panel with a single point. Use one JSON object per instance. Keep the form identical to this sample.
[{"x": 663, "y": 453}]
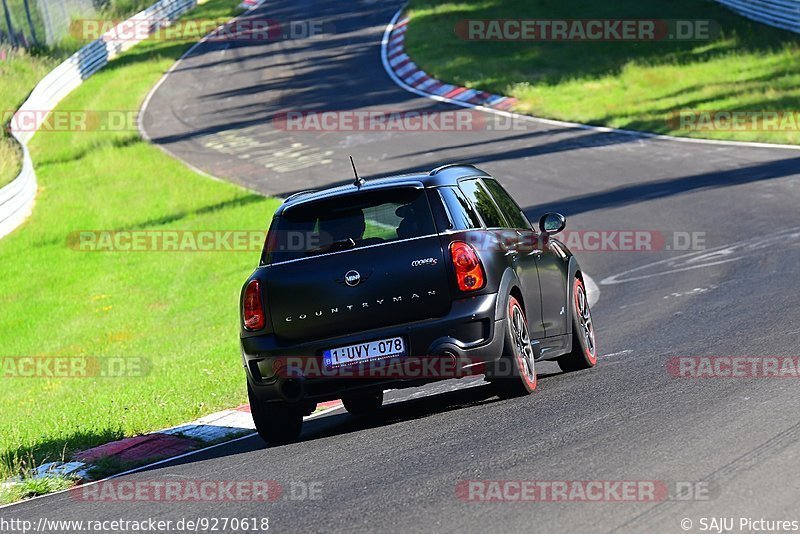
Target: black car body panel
[
  {"x": 311, "y": 299},
  {"x": 400, "y": 282}
]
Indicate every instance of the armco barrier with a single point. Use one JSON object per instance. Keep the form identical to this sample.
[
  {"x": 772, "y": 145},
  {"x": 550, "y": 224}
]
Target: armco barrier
[
  {"x": 16, "y": 198},
  {"x": 784, "y": 14}
]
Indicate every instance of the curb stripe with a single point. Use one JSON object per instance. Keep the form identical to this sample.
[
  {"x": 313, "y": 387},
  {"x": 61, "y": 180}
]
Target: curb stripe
[
  {"x": 435, "y": 86},
  {"x": 400, "y": 58},
  {"x": 155, "y": 445},
  {"x": 489, "y": 108},
  {"x": 455, "y": 92},
  {"x": 402, "y": 66},
  {"x": 168, "y": 443},
  {"x": 215, "y": 426},
  {"x": 466, "y": 95},
  {"x": 494, "y": 99},
  {"x": 430, "y": 82},
  {"x": 414, "y": 78},
  {"x": 422, "y": 81},
  {"x": 408, "y": 67}
]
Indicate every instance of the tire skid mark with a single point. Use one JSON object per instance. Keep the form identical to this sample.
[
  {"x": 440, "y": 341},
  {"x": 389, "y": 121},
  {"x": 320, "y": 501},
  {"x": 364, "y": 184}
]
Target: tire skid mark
[
  {"x": 273, "y": 154},
  {"x": 707, "y": 258}
]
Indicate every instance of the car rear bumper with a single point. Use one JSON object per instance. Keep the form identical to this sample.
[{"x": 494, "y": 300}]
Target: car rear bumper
[{"x": 451, "y": 346}]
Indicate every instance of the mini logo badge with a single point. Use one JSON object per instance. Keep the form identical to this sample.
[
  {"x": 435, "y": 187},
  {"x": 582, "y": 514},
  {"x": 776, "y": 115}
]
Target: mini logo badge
[{"x": 352, "y": 278}]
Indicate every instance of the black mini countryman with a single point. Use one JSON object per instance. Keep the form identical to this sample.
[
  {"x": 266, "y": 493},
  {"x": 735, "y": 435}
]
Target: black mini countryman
[{"x": 399, "y": 281}]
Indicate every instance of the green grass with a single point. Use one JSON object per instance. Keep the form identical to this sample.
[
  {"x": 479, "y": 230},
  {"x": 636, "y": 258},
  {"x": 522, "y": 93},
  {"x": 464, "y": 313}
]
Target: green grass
[
  {"x": 22, "y": 70},
  {"x": 108, "y": 9},
  {"x": 178, "y": 309},
  {"x": 635, "y": 85},
  {"x": 31, "y": 487},
  {"x": 19, "y": 73}
]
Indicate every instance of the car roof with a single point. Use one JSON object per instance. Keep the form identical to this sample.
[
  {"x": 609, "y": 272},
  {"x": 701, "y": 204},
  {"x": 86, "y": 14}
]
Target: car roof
[{"x": 448, "y": 174}]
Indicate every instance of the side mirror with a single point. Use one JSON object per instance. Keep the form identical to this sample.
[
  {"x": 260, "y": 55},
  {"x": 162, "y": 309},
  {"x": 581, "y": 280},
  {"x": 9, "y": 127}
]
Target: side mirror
[{"x": 552, "y": 223}]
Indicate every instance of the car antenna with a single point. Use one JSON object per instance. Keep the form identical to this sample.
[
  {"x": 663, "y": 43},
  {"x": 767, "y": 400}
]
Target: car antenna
[{"x": 358, "y": 181}]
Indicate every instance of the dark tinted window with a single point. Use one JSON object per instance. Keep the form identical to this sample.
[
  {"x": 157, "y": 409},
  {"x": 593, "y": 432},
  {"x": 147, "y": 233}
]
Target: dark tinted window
[
  {"x": 507, "y": 205},
  {"x": 348, "y": 222},
  {"x": 461, "y": 214},
  {"x": 482, "y": 201}
]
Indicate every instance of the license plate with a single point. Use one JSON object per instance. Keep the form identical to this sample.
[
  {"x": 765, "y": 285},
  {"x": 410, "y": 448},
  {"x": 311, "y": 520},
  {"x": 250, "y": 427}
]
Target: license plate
[{"x": 364, "y": 352}]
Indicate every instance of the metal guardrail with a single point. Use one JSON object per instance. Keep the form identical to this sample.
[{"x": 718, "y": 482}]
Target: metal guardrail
[
  {"x": 17, "y": 198},
  {"x": 784, "y": 14}
]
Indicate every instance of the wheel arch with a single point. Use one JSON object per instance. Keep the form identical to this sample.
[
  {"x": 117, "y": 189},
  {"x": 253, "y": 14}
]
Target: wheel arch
[
  {"x": 509, "y": 285},
  {"x": 516, "y": 292},
  {"x": 574, "y": 272}
]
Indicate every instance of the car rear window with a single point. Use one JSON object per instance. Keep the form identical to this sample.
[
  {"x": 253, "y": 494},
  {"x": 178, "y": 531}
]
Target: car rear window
[{"x": 348, "y": 222}]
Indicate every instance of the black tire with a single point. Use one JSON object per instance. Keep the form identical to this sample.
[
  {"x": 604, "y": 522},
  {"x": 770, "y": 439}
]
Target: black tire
[
  {"x": 276, "y": 422},
  {"x": 514, "y": 375},
  {"x": 363, "y": 404},
  {"x": 584, "y": 347}
]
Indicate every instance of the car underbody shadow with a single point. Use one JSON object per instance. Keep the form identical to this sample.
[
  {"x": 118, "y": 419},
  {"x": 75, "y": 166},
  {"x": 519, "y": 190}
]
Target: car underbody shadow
[{"x": 339, "y": 422}]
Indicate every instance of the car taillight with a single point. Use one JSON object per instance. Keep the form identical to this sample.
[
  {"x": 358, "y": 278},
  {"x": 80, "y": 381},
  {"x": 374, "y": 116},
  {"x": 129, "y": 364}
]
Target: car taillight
[
  {"x": 252, "y": 308},
  {"x": 469, "y": 271}
]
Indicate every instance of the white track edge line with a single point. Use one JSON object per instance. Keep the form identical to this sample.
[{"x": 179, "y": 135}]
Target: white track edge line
[
  {"x": 592, "y": 290},
  {"x": 160, "y": 462},
  {"x": 143, "y": 108},
  {"x": 553, "y": 122}
]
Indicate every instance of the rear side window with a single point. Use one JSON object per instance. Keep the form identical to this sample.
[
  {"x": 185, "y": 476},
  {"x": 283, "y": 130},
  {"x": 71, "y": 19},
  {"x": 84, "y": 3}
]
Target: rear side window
[
  {"x": 483, "y": 202},
  {"x": 348, "y": 222},
  {"x": 510, "y": 209},
  {"x": 460, "y": 212}
]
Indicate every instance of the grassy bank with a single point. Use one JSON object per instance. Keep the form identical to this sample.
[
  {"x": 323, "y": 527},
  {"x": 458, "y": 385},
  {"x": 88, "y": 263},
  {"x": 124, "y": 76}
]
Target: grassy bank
[
  {"x": 177, "y": 310},
  {"x": 21, "y": 70},
  {"x": 637, "y": 85},
  {"x": 19, "y": 73}
]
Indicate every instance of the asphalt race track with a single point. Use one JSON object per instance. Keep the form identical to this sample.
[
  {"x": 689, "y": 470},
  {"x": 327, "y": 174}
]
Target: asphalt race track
[{"x": 627, "y": 419}]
